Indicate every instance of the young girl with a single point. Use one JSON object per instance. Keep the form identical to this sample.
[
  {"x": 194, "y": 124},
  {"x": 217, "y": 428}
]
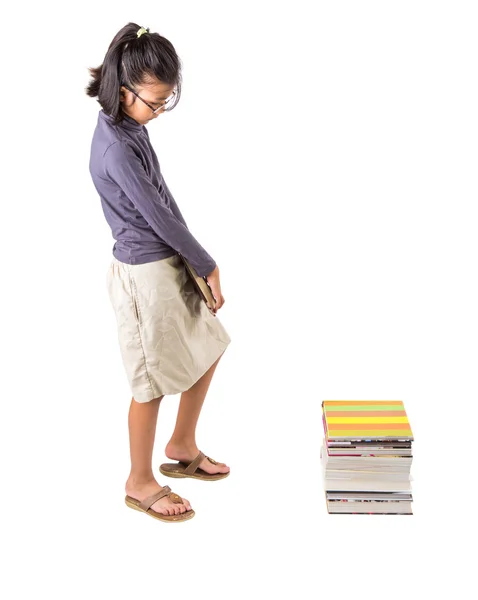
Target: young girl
[{"x": 169, "y": 340}]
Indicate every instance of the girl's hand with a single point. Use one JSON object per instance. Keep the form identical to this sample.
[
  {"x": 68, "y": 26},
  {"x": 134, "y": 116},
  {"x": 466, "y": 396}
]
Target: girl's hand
[{"x": 215, "y": 285}]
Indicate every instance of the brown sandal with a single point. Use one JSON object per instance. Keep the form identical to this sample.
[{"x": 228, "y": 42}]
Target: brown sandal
[
  {"x": 145, "y": 506},
  {"x": 182, "y": 469}
]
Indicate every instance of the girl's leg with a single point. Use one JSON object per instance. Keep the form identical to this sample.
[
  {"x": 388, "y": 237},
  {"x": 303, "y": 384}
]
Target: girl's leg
[
  {"x": 142, "y": 420},
  {"x": 182, "y": 445}
]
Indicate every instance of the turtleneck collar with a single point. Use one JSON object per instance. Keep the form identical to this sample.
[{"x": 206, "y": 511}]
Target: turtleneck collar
[{"x": 128, "y": 122}]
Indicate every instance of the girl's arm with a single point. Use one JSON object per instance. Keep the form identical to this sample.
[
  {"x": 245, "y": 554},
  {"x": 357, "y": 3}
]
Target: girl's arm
[
  {"x": 174, "y": 206},
  {"x": 124, "y": 167}
]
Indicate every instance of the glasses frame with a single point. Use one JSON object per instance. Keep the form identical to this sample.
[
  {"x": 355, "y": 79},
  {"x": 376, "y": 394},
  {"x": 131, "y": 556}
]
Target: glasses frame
[{"x": 155, "y": 110}]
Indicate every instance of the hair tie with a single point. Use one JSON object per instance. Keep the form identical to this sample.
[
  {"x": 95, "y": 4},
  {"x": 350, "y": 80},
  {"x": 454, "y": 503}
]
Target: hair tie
[{"x": 140, "y": 32}]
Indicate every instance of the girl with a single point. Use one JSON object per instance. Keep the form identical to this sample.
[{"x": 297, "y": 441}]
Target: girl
[{"x": 169, "y": 341}]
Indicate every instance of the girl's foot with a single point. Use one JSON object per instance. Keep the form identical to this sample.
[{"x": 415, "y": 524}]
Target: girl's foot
[
  {"x": 187, "y": 455},
  {"x": 164, "y": 505}
]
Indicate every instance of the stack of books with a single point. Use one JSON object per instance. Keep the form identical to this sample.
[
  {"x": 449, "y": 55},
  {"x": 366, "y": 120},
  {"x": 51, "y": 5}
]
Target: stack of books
[{"x": 366, "y": 457}]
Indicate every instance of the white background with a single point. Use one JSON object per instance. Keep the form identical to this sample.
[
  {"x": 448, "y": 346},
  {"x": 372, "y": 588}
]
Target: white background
[{"x": 324, "y": 153}]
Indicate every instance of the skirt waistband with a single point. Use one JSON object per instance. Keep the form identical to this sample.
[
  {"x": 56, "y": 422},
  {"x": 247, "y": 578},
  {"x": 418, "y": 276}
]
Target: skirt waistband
[{"x": 174, "y": 259}]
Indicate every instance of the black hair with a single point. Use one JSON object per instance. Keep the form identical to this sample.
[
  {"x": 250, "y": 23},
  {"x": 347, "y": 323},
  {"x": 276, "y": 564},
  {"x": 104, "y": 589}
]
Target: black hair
[{"x": 133, "y": 61}]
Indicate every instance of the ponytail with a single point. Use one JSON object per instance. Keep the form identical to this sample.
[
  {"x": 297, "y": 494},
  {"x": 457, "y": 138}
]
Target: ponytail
[{"x": 134, "y": 57}]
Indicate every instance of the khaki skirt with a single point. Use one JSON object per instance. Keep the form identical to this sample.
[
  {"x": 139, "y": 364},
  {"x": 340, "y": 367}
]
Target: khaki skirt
[{"x": 168, "y": 338}]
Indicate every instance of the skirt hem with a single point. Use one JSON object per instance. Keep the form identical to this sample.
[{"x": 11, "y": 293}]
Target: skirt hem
[{"x": 148, "y": 397}]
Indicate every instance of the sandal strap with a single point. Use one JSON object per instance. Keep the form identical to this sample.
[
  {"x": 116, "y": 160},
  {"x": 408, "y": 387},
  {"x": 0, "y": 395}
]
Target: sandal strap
[
  {"x": 194, "y": 464},
  {"x": 176, "y": 498},
  {"x": 150, "y": 500}
]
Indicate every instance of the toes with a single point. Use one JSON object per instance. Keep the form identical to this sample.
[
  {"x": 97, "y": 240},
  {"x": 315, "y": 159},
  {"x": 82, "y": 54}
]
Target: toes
[
  {"x": 173, "y": 508},
  {"x": 164, "y": 510},
  {"x": 219, "y": 467},
  {"x": 180, "y": 508}
]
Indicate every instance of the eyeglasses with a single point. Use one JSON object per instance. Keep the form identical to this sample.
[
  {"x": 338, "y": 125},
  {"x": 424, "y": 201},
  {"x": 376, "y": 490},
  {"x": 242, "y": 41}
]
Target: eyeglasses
[{"x": 166, "y": 104}]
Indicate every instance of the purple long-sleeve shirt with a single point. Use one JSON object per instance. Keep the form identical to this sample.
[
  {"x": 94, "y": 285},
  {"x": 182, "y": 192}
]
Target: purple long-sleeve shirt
[{"x": 144, "y": 218}]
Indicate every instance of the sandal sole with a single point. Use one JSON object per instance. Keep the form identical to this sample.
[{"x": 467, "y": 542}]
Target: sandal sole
[
  {"x": 130, "y": 502},
  {"x": 179, "y": 475}
]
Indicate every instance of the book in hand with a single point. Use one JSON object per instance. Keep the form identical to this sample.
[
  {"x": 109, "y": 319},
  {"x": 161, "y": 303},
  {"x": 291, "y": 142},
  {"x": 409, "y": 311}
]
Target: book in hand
[{"x": 201, "y": 285}]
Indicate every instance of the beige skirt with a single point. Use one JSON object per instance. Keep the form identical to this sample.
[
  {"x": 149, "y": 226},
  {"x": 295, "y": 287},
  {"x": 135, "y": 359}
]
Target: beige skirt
[{"x": 168, "y": 338}]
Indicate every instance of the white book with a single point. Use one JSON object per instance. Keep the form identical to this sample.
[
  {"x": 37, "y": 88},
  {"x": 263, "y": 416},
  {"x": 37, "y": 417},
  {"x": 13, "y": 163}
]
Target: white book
[
  {"x": 377, "y": 508},
  {"x": 365, "y": 485}
]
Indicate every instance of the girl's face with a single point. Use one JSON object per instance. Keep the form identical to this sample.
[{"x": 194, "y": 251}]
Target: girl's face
[{"x": 154, "y": 94}]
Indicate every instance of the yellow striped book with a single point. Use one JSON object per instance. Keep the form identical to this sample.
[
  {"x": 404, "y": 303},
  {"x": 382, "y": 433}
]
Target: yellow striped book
[{"x": 365, "y": 420}]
